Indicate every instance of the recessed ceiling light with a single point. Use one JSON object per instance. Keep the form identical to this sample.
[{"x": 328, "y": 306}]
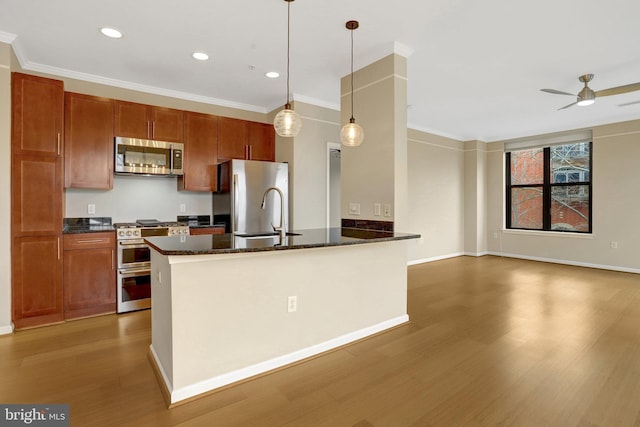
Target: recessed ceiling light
[
  {"x": 200, "y": 56},
  {"x": 272, "y": 74},
  {"x": 111, "y": 32}
]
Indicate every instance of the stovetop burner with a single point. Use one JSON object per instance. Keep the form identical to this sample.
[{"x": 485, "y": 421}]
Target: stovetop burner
[{"x": 149, "y": 223}]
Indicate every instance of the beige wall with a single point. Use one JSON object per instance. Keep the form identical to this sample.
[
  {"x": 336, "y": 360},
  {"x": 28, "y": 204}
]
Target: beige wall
[
  {"x": 371, "y": 171},
  {"x": 436, "y": 196},
  {"x": 475, "y": 189},
  {"x": 616, "y": 208},
  {"x": 5, "y": 188},
  {"x": 307, "y": 157}
]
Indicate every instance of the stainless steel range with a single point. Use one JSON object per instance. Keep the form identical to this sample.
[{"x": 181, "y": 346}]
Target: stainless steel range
[{"x": 134, "y": 260}]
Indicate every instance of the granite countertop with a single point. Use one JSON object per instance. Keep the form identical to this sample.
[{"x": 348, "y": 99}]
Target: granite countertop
[
  {"x": 86, "y": 225},
  {"x": 300, "y": 239}
]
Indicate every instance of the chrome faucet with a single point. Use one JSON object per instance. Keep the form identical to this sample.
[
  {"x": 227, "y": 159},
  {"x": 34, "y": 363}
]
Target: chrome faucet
[{"x": 281, "y": 227}]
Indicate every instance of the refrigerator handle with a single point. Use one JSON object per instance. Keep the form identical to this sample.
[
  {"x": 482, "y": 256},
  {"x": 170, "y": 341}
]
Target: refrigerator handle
[{"x": 235, "y": 202}]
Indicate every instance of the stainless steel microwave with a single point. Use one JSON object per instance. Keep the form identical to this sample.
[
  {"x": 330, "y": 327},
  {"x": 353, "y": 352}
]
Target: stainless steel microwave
[{"x": 148, "y": 157}]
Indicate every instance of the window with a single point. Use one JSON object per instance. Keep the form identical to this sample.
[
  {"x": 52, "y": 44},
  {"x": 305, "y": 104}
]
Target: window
[{"x": 549, "y": 188}]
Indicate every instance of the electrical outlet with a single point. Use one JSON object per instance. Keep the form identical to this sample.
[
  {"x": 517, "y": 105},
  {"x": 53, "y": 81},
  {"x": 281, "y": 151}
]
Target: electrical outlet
[
  {"x": 377, "y": 209},
  {"x": 91, "y": 208},
  {"x": 614, "y": 245},
  {"x": 387, "y": 209},
  {"x": 183, "y": 207},
  {"x": 354, "y": 208},
  {"x": 292, "y": 304}
]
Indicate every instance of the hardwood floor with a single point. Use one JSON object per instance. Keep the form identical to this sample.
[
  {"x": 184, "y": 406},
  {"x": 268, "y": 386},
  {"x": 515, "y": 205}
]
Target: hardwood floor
[{"x": 491, "y": 341}]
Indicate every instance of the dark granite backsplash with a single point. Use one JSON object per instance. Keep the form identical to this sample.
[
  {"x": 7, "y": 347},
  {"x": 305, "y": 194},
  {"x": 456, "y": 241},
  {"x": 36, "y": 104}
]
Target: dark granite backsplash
[
  {"x": 87, "y": 225},
  {"x": 367, "y": 224}
]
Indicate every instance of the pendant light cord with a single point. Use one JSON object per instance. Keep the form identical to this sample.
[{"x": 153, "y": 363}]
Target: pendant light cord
[
  {"x": 352, "y": 75},
  {"x": 288, "y": 43}
]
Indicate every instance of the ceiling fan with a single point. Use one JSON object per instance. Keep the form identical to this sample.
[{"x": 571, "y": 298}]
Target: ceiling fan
[{"x": 587, "y": 96}]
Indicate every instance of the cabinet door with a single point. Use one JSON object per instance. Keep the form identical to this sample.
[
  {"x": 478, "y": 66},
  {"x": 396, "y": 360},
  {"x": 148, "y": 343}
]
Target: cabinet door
[
  {"x": 89, "y": 274},
  {"x": 232, "y": 138},
  {"x": 206, "y": 230},
  {"x": 261, "y": 141},
  {"x": 132, "y": 120},
  {"x": 37, "y": 108},
  {"x": 36, "y": 196},
  {"x": 36, "y": 281},
  {"x": 166, "y": 124},
  {"x": 200, "y": 152},
  {"x": 89, "y": 143}
]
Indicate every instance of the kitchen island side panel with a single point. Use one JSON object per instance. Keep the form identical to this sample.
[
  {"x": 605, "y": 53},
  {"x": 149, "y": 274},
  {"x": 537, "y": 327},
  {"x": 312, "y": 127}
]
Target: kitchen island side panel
[
  {"x": 230, "y": 317},
  {"x": 161, "y": 318}
]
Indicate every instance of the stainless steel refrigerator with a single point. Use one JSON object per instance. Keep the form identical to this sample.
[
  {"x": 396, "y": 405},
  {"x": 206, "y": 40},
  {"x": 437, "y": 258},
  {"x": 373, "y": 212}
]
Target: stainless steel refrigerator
[{"x": 243, "y": 185}]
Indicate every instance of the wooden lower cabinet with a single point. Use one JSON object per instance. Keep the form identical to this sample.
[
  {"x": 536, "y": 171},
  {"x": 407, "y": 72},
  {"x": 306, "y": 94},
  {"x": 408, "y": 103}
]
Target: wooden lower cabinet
[
  {"x": 89, "y": 274},
  {"x": 37, "y": 281},
  {"x": 206, "y": 230}
]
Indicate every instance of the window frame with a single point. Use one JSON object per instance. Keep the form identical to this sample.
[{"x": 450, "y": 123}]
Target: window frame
[{"x": 547, "y": 188}]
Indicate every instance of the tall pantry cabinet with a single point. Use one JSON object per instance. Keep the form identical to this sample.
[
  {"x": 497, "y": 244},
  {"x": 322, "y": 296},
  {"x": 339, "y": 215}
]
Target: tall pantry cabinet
[{"x": 36, "y": 199}]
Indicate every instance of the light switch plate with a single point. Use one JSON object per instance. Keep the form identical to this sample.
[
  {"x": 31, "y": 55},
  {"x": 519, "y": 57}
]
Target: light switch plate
[
  {"x": 91, "y": 208},
  {"x": 354, "y": 208}
]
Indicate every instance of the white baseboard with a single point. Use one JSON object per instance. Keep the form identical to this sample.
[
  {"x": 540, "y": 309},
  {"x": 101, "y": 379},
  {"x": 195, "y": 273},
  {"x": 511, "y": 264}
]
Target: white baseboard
[
  {"x": 476, "y": 254},
  {"x": 165, "y": 378},
  {"x": 568, "y": 262},
  {"x": 268, "y": 365},
  {"x": 5, "y": 330},
  {"x": 437, "y": 258}
]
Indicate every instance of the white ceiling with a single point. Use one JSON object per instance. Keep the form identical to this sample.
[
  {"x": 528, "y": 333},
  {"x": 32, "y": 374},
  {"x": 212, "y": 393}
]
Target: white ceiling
[{"x": 475, "y": 67}]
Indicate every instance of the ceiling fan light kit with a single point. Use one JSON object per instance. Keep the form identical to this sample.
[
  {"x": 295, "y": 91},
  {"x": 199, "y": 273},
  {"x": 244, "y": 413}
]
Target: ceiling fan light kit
[{"x": 587, "y": 96}]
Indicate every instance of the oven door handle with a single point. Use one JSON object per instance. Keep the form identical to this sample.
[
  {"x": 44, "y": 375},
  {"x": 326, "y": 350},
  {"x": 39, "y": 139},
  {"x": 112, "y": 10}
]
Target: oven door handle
[
  {"x": 138, "y": 244},
  {"x": 135, "y": 272}
]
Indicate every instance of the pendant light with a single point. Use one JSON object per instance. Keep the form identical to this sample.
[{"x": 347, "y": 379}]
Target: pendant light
[
  {"x": 287, "y": 122},
  {"x": 352, "y": 134}
]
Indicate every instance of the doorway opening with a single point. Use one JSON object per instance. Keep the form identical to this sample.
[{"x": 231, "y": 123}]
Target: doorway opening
[{"x": 333, "y": 185}]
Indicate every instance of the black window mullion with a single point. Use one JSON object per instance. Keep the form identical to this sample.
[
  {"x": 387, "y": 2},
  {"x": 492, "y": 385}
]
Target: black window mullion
[
  {"x": 508, "y": 192},
  {"x": 546, "y": 191}
]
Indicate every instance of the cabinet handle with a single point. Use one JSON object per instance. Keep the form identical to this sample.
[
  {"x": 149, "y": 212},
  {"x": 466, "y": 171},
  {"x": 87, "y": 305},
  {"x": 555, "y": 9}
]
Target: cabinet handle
[
  {"x": 58, "y": 248},
  {"x": 91, "y": 241},
  {"x": 153, "y": 129},
  {"x": 58, "y": 143},
  {"x": 250, "y": 152},
  {"x": 113, "y": 266}
]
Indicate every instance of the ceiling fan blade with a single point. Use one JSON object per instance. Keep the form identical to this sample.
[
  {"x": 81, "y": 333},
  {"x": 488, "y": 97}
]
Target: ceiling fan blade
[
  {"x": 558, "y": 92},
  {"x": 628, "y": 103},
  {"x": 567, "y": 106},
  {"x": 618, "y": 90}
]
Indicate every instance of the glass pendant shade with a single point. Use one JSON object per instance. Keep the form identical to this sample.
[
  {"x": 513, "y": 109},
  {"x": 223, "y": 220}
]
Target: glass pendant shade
[
  {"x": 287, "y": 122},
  {"x": 351, "y": 134}
]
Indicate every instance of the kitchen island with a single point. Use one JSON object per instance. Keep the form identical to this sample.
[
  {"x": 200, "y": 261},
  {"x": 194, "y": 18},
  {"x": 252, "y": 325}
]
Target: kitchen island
[{"x": 226, "y": 308}]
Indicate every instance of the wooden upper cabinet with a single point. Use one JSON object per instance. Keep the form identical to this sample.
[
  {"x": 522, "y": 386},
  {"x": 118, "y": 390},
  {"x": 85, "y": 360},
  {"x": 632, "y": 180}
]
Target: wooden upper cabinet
[
  {"x": 232, "y": 138},
  {"x": 89, "y": 141},
  {"x": 200, "y": 152},
  {"x": 37, "y": 115},
  {"x": 241, "y": 139},
  {"x": 167, "y": 124},
  {"x": 148, "y": 122},
  {"x": 261, "y": 141}
]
